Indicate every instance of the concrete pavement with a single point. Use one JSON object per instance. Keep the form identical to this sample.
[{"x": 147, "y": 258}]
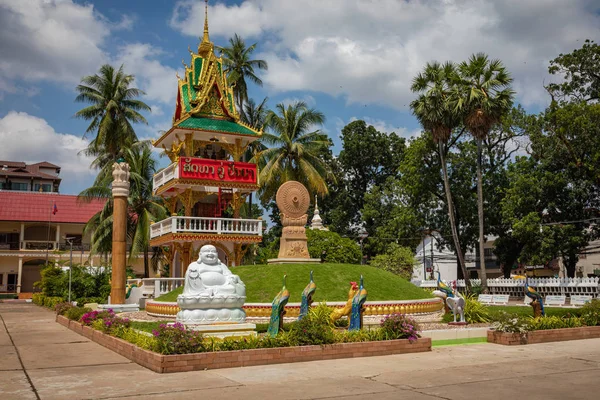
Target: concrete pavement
[{"x": 43, "y": 360}]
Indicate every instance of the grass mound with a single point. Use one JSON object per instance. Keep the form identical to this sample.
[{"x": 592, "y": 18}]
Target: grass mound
[{"x": 263, "y": 282}]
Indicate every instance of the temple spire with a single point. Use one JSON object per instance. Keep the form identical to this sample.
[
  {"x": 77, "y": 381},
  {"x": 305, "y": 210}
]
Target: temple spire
[{"x": 205, "y": 46}]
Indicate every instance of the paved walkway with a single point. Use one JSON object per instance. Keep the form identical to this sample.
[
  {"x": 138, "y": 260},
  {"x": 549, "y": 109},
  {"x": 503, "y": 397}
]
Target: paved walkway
[{"x": 43, "y": 360}]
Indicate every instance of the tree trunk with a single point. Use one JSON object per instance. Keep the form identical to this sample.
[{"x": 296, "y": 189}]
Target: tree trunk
[
  {"x": 482, "y": 271},
  {"x": 459, "y": 253},
  {"x": 146, "y": 263}
]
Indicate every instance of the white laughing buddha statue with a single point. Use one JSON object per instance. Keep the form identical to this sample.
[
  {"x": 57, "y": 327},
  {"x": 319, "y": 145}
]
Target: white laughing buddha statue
[{"x": 211, "y": 293}]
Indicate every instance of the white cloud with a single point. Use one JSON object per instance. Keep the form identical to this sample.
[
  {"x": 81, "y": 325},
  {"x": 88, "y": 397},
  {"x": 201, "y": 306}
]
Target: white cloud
[
  {"x": 308, "y": 99},
  {"x": 368, "y": 51},
  {"x": 50, "y": 40},
  {"x": 157, "y": 80},
  {"x": 27, "y": 138}
]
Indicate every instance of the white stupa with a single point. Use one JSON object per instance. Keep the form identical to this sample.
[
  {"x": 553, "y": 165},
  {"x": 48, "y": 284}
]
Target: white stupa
[{"x": 317, "y": 222}]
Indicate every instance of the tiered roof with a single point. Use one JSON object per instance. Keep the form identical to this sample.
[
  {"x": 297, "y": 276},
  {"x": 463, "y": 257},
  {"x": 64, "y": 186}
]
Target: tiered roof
[{"x": 205, "y": 99}]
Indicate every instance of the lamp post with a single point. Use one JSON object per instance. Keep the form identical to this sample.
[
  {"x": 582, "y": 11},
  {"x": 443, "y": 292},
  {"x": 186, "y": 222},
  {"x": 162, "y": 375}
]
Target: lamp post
[{"x": 70, "y": 240}]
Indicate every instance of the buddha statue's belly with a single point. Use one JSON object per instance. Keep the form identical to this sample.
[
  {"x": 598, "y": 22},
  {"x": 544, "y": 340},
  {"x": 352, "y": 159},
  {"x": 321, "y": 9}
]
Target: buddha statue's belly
[{"x": 210, "y": 278}]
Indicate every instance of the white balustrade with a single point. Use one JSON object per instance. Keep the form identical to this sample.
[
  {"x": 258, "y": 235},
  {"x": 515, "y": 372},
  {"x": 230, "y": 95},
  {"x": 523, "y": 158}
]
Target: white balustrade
[
  {"x": 165, "y": 175},
  {"x": 206, "y": 225},
  {"x": 155, "y": 287},
  {"x": 544, "y": 286}
]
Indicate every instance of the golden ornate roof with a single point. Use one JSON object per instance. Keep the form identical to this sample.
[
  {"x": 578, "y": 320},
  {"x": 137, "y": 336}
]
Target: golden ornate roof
[{"x": 204, "y": 96}]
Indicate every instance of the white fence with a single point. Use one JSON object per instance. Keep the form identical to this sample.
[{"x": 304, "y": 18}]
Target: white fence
[
  {"x": 544, "y": 286},
  {"x": 155, "y": 287},
  {"x": 206, "y": 225}
]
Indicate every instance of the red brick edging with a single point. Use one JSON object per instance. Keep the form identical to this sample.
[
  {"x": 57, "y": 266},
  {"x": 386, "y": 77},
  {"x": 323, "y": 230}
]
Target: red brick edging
[
  {"x": 244, "y": 358},
  {"x": 543, "y": 336}
]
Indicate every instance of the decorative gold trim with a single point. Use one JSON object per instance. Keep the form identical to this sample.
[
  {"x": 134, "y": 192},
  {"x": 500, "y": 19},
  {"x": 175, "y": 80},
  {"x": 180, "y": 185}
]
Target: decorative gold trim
[
  {"x": 230, "y": 185},
  {"x": 195, "y": 237}
]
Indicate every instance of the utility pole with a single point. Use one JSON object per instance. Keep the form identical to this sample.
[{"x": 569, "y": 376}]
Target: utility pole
[{"x": 70, "y": 240}]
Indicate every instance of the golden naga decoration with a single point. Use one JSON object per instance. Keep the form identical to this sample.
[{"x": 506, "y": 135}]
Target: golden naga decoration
[{"x": 347, "y": 309}]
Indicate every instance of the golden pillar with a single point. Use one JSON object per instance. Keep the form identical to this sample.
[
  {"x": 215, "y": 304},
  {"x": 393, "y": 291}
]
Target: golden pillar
[{"x": 120, "y": 192}]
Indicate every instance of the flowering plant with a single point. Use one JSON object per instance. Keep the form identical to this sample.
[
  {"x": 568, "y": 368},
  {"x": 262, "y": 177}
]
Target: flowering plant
[
  {"x": 91, "y": 316},
  {"x": 399, "y": 326},
  {"x": 175, "y": 339}
]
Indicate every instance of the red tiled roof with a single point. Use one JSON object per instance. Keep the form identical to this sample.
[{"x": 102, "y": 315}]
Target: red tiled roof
[
  {"x": 20, "y": 169},
  {"x": 37, "y": 207}
]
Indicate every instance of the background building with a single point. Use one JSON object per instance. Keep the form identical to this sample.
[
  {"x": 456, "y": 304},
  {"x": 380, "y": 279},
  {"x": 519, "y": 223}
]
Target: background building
[{"x": 38, "y": 177}]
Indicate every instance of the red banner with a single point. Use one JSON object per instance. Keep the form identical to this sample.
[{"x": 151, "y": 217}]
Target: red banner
[{"x": 216, "y": 170}]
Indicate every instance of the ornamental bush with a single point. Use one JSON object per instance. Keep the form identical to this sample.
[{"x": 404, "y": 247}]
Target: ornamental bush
[
  {"x": 175, "y": 339},
  {"x": 332, "y": 248},
  {"x": 400, "y": 326},
  {"x": 590, "y": 313},
  {"x": 314, "y": 329},
  {"x": 75, "y": 313},
  {"x": 38, "y": 298},
  {"x": 51, "y": 302},
  {"x": 62, "y": 308},
  {"x": 92, "y": 316},
  {"x": 397, "y": 259}
]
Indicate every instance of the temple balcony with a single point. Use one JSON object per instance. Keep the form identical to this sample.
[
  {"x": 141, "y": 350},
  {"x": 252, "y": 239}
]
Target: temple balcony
[
  {"x": 192, "y": 228},
  {"x": 202, "y": 174}
]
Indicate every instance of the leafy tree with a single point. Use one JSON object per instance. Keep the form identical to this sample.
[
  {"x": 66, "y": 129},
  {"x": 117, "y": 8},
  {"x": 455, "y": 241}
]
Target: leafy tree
[
  {"x": 581, "y": 74},
  {"x": 240, "y": 67},
  {"x": 397, "y": 259},
  {"x": 487, "y": 98},
  {"x": 332, "y": 248},
  {"x": 367, "y": 159},
  {"x": 293, "y": 152},
  {"x": 435, "y": 109},
  {"x": 144, "y": 207},
  {"x": 113, "y": 109}
]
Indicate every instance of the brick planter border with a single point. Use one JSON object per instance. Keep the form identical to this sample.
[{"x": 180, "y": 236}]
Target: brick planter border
[
  {"x": 244, "y": 358},
  {"x": 543, "y": 336}
]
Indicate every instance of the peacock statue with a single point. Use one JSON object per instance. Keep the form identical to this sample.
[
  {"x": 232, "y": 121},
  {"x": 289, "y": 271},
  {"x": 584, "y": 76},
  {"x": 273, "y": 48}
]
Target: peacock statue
[
  {"x": 307, "y": 295},
  {"x": 534, "y": 295},
  {"x": 278, "y": 309},
  {"x": 441, "y": 286},
  {"x": 347, "y": 309},
  {"x": 357, "y": 304}
]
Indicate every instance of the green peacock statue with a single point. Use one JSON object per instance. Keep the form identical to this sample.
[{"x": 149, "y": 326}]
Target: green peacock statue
[
  {"x": 357, "y": 304},
  {"x": 534, "y": 296},
  {"x": 307, "y": 295},
  {"x": 278, "y": 309}
]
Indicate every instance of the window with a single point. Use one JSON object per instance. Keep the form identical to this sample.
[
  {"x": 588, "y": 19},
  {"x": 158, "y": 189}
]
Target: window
[
  {"x": 46, "y": 187},
  {"x": 24, "y": 187}
]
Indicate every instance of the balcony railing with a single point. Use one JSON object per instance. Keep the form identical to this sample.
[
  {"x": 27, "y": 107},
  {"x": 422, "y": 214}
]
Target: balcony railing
[
  {"x": 50, "y": 245},
  {"x": 202, "y": 169},
  {"x": 206, "y": 225}
]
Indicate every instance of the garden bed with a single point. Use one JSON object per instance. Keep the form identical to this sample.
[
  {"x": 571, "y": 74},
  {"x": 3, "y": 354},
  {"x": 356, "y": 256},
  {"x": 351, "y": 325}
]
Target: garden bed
[
  {"x": 543, "y": 336},
  {"x": 243, "y": 358}
]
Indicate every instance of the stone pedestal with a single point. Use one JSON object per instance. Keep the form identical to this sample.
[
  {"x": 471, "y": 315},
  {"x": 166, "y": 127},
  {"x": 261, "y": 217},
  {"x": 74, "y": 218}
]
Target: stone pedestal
[
  {"x": 293, "y": 201},
  {"x": 120, "y": 192},
  {"x": 224, "y": 330}
]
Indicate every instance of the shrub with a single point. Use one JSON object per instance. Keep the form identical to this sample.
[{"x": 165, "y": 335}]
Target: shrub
[
  {"x": 140, "y": 339},
  {"x": 51, "y": 302},
  {"x": 92, "y": 316},
  {"x": 475, "y": 312},
  {"x": 541, "y": 323},
  {"x": 75, "y": 313},
  {"x": 332, "y": 247},
  {"x": 62, "y": 308},
  {"x": 397, "y": 259},
  {"x": 314, "y": 329},
  {"x": 590, "y": 313},
  {"x": 175, "y": 339},
  {"x": 38, "y": 298},
  {"x": 399, "y": 326},
  {"x": 511, "y": 324},
  {"x": 342, "y": 322}
]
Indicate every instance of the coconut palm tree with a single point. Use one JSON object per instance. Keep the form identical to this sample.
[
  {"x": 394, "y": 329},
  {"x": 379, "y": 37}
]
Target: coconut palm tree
[
  {"x": 434, "y": 108},
  {"x": 114, "y": 107},
  {"x": 293, "y": 150},
  {"x": 487, "y": 97},
  {"x": 144, "y": 207},
  {"x": 254, "y": 115},
  {"x": 239, "y": 67}
]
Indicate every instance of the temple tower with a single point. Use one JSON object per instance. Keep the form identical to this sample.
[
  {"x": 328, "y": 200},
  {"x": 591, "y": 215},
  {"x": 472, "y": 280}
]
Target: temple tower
[{"x": 208, "y": 180}]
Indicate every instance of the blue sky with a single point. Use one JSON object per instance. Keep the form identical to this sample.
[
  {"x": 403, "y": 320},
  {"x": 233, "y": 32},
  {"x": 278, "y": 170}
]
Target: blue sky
[{"x": 348, "y": 58}]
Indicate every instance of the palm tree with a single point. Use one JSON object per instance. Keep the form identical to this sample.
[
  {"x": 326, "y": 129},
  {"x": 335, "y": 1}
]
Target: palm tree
[
  {"x": 294, "y": 150},
  {"x": 144, "y": 207},
  {"x": 434, "y": 108},
  {"x": 487, "y": 97},
  {"x": 113, "y": 109},
  {"x": 239, "y": 66},
  {"x": 255, "y": 116}
]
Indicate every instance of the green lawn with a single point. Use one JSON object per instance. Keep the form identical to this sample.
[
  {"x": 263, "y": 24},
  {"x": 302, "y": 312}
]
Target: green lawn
[
  {"x": 263, "y": 282},
  {"x": 147, "y": 326}
]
